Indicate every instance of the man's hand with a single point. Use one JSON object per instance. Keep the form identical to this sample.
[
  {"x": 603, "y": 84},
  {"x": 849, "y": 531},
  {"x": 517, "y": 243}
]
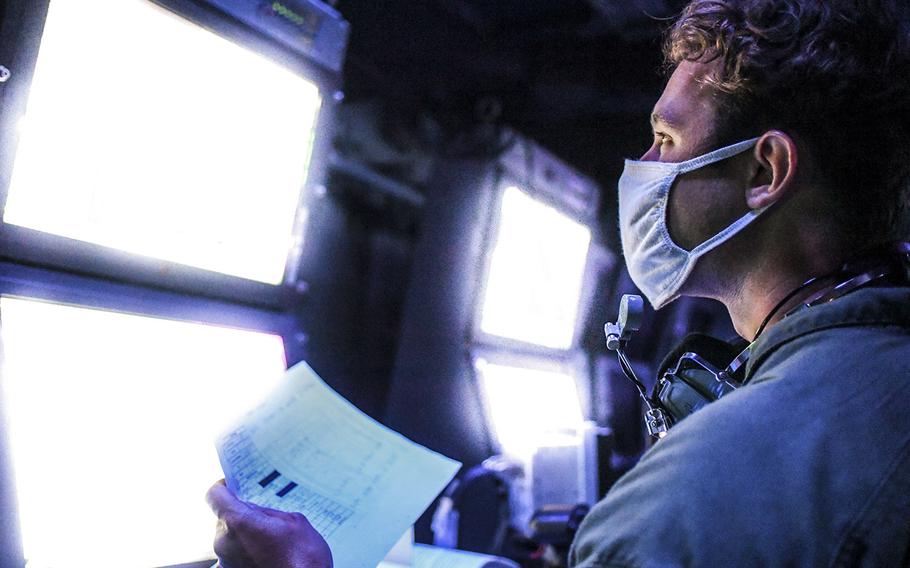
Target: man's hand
[{"x": 249, "y": 536}]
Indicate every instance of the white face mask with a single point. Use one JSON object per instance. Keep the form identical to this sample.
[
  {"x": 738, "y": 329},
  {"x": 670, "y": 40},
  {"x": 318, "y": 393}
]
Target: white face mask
[{"x": 657, "y": 265}]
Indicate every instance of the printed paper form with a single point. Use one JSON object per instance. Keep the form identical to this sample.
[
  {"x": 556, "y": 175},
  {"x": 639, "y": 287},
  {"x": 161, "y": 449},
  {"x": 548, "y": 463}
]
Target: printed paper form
[{"x": 307, "y": 449}]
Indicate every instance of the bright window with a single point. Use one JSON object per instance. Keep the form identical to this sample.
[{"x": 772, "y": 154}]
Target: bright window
[
  {"x": 534, "y": 284},
  {"x": 112, "y": 420},
  {"x": 147, "y": 133},
  {"x": 527, "y": 404}
]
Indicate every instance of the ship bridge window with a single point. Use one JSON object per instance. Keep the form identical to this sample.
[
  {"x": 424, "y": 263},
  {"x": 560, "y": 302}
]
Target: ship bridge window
[
  {"x": 111, "y": 420},
  {"x": 158, "y": 137}
]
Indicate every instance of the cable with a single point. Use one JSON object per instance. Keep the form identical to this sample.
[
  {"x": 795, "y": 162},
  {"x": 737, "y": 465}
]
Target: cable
[{"x": 630, "y": 374}]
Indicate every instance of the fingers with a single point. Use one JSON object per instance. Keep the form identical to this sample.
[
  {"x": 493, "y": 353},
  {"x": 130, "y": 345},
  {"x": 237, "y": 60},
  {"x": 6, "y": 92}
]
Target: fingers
[
  {"x": 265, "y": 511},
  {"x": 276, "y": 514},
  {"x": 232, "y": 513},
  {"x": 230, "y": 551},
  {"x": 224, "y": 504},
  {"x": 251, "y": 536}
]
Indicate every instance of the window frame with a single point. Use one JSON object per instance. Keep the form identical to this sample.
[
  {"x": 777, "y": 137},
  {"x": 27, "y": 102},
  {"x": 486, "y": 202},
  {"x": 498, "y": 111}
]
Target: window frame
[
  {"x": 20, "y": 38},
  {"x": 503, "y": 180},
  {"x": 545, "y": 179},
  {"x": 46, "y": 267},
  {"x": 573, "y": 364},
  {"x": 42, "y": 284}
]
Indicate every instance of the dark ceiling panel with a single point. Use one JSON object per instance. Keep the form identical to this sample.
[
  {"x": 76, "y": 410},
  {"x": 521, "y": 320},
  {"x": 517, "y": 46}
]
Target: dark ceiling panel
[
  {"x": 524, "y": 12},
  {"x": 579, "y": 76}
]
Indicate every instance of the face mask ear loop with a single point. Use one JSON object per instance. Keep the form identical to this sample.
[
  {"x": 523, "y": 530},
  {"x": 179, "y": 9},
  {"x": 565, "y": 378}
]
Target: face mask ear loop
[
  {"x": 715, "y": 156},
  {"x": 660, "y": 264},
  {"x": 696, "y": 253},
  {"x": 728, "y": 232}
]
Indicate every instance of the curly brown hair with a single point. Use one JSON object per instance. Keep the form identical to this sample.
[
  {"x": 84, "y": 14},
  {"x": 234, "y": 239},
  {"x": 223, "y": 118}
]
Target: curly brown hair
[{"x": 835, "y": 74}]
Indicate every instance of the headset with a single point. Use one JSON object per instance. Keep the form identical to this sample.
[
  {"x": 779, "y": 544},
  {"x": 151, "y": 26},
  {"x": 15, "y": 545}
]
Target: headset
[{"x": 703, "y": 369}]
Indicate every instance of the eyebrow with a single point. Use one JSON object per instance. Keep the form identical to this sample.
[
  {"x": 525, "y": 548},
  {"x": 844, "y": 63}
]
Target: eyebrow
[{"x": 658, "y": 116}]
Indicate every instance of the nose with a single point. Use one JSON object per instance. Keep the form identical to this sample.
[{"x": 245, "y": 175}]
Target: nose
[{"x": 652, "y": 155}]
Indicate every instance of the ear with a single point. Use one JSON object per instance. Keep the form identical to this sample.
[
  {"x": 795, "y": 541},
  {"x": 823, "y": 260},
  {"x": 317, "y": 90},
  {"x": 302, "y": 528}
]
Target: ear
[{"x": 775, "y": 174}]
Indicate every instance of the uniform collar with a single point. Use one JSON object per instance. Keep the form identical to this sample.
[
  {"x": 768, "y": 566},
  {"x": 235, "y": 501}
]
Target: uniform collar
[{"x": 875, "y": 306}]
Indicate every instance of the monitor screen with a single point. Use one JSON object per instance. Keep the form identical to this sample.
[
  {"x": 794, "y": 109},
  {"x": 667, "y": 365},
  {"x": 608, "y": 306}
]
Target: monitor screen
[
  {"x": 112, "y": 419},
  {"x": 147, "y": 133},
  {"x": 534, "y": 284}
]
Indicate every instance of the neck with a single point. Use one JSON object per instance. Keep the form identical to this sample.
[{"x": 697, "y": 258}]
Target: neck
[
  {"x": 760, "y": 294},
  {"x": 758, "y": 306}
]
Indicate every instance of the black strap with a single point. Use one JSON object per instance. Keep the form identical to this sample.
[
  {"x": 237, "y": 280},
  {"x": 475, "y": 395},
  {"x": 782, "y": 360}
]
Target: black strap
[{"x": 889, "y": 264}]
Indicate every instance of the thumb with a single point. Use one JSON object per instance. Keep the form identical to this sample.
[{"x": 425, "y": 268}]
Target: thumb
[{"x": 224, "y": 503}]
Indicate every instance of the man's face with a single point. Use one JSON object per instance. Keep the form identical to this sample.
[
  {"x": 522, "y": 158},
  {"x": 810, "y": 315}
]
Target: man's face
[{"x": 685, "y": 123}]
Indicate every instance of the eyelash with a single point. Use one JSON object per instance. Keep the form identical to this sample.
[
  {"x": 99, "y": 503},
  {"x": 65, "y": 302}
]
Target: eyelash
[{"x": 662, "y": 138}]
